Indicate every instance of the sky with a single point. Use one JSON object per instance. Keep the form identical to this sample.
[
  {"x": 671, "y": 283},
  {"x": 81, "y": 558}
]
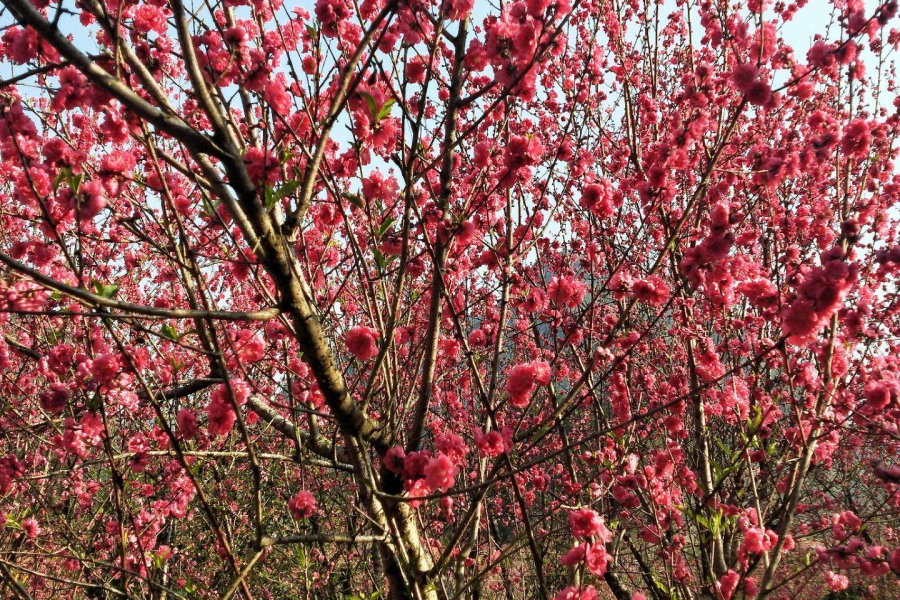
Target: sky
[{"x": 813, "y": 18}]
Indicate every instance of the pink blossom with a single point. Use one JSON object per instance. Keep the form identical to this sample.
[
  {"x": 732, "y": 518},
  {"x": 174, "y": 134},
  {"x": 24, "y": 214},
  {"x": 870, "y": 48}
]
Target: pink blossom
[
  {"x": 361, "y": 343},
  {"x": 819, "y": 296},
  {"x": 744, "y": 77},
  {"x": 330, "y": 13},
  {"x": 857, "y": 139},
  {"x": 652, "y": 290},
  {"x": 394, "y": 458},
  {"x": 414, "y": 464},
  {"x": 54, "y": 400},
  {"x": 303, "y": 505},
  {"x": 150, "y": 18},
  {"x": 596, "y": 559},
  {"x": 31, "y": 527},
  {"x": 573, "y": 593},
  {"x": 880, "y": 394},
  {"x": 585, "y": 522},
  {"x": 105, "y": 368},
  {"x": 566, "y": 291},
  {"x": 278, "y": 97},
  {"x": 11, "y": 469},
  {"x": 21, "y": 44},
  {"x": 597, "y": 198},
  {"x": 458, "y": 10},
  {"x": 221, "y": 416},
  {"x": 759, "y": 541},
  {"x": 440, "y": 473},
  {"x": 574, "y": 556},
  {"x": 490, "y": 444},
  {"x": 895, "y": 560},
  {"x": 248, "y": 346},
  {"x": 187, "y": 423},
  {"x": 523, "y": 379},
  {"x": 93, "y": 200},
  {"x": 836, "y": 583},
  {"x": 728, "y": 584},
  {"x": 263, "y": 167},
  {"x": 452, "y": 445}
]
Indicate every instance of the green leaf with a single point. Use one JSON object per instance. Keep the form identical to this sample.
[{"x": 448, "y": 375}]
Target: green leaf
[
  {"x": 170, "y": 332},
  {"x": 373, "y": 108},
  {"x": 385, "y": 110},
  {"x": 725, "y": 449},
  {"x": 355, "y": 200},
  {"x": 59, "y": 178},
  {"x": 379, "y": 259},
  {"x": 754, "y": 421},
  {"x": 725, "y": 473},
  {"x": 105, "y": 290},
  {"x": 209, "y": 206},
  {"x": 301, "y": 556},
  {"x": 715, "y": 523},
  {"x": 385, "y": 226},
  {"x": 275, "y": 196},
  {"x": 74, "y": 181}
]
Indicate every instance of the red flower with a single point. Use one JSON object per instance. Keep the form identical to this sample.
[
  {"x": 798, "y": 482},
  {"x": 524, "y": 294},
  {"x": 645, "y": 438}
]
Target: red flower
[
  {"x": 522, "y": 380},
  {"x": 303, "y": 505},
  {"x": 54, "y": 400},
  {"x": 361, "y": 343},
  {"x": 584, "y": 523},
  {"x": 440, "y": 473}
]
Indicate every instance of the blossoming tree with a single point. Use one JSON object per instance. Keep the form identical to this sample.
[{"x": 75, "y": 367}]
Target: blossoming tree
[{"x": 420, "y": 299}]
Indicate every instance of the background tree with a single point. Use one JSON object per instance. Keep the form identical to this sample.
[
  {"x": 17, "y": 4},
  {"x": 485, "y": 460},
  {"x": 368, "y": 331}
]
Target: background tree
[{"x": 429, "y": 300}]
